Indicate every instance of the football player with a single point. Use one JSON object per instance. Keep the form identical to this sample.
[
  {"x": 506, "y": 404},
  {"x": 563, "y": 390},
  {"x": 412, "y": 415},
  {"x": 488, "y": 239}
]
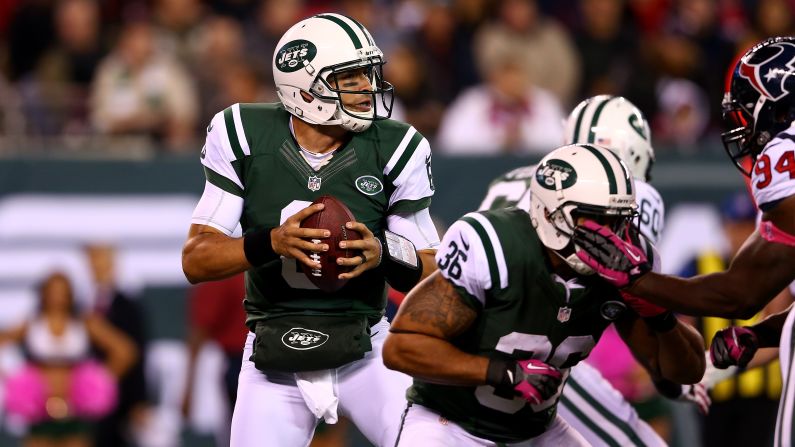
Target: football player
[
  {"x": 589, "y": 403},
  {"x": 761, "y": 106},
  {"x": 311, "y": 354},
  {"x": 490, "y": 338}
]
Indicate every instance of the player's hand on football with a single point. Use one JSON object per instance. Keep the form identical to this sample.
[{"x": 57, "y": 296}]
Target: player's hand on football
[
  {"x": 369, "y": 255},
  {"x": 733, "y": 346},
  {"x": 536, "y": 381},
  {"x": 616, "y": 260},
  {"x": 292, "y": 241}
]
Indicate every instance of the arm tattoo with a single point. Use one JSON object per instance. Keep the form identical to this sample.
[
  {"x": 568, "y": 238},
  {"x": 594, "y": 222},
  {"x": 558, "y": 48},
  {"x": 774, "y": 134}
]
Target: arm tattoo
[{"x": 437, "y": 306}]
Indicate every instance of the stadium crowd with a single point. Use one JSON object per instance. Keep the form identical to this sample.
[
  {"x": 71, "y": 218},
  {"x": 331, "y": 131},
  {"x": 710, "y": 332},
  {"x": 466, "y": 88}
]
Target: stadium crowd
[
  {"x": 476, "y": 77},
  {"x": 152, "y": 73}
]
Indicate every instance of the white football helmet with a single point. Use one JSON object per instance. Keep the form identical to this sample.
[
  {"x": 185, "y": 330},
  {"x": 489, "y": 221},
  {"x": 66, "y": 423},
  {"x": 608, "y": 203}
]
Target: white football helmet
[
  {"x": 615, "y": 123},
  {"x": 320, "y": 46},
  {"x": 579, "y": 180}
]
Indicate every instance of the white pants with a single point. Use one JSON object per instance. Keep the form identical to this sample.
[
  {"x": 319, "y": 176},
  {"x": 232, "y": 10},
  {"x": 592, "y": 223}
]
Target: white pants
[
  {"x": 786, "y": 406},
  {"x": 270, "y": 411},
  {"x": 423, "y": 427},
  {"x": 600, "y": 413}
]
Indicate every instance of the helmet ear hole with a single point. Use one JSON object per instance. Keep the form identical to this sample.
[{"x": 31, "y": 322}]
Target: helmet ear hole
[{"x": 306, "y": 97}]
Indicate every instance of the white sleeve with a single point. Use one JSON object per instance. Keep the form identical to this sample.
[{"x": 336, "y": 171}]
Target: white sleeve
[
  {"x": 651, "y": 210},
  {"x": 417, "y": 227},
  {"x": 462, "y": 260},
  {"x": 217, "y": 157},
  {"x": 773, "y": 177},
  {"x": 218, "y": 209},
  {"x": 412, "y": 177}
]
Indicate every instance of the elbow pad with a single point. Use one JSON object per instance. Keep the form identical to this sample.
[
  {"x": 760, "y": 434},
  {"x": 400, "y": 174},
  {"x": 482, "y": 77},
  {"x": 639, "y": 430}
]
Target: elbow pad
[{"x": 401, "y": 263}]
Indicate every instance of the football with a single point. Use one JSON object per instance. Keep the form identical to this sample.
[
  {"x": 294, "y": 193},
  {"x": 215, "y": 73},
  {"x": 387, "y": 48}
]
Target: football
[{"x": 332, "y": 218}]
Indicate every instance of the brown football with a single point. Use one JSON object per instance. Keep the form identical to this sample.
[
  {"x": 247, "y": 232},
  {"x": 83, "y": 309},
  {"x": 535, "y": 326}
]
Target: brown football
[{"x": 332, "y": 218}]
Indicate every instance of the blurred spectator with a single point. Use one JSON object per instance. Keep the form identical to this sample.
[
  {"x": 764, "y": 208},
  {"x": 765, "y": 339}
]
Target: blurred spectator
[
  {"x": 55, "y": 95},
  {"x": 542, "y": 48},
  {"x": 176, "y": 22},
  {"x": 30, "y": 33},
  {"x": 744, "y": 407},
  {"x": 270, "y": 21},
  {"x": 608, "y": 47},
  {"x": 218, "y": 42},
  {"x": 422, "y": 107},
  {"x": 694, "y": 47},
  {"x": 216, "y": 316},
  {"x": 768, "y": 18},
  {"x": 445, "y": 54},
  {"x": 505, "y": 115},
  {"x": 140, "y": 91},
  {"x": 238, "y": 9},
  {"x": 649, "y": 15},
  {"x": 61, "y": 391},
  {"x": 682, "y": 114},
  {"x": 126, "y": 316}
]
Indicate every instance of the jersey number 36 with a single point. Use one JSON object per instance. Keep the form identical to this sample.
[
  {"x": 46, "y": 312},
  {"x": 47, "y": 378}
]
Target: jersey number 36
[{"x": 575, "y": 346}]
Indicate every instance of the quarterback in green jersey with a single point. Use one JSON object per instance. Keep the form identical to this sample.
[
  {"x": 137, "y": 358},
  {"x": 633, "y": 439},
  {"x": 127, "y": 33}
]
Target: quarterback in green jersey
[
  {"x": 490, "y": 338},
  {"x": 312, "y": 354}
]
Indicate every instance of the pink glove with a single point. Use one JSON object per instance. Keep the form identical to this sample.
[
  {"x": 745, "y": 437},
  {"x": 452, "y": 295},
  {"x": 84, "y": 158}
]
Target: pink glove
[
  {"x": 536, "y": 381},
  {"x": 643, "y": 308},
  {"x": 618, "y": 261},
  {"x": 733, "y": 346}
]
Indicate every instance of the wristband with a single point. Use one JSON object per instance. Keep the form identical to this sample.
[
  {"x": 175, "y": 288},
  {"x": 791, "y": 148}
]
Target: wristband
[
  {"x": 501, "y": 374},
  {"x": 257, "y": 247},
  {"x": 663, "y": 322},
  {"x": 766, "y": 336}
]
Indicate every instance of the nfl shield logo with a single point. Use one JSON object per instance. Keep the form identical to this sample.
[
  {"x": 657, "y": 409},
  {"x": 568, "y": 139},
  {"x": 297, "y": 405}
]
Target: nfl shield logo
[
  {"x": 564, "y": 313},
  {"x": 314, "y": 183}
]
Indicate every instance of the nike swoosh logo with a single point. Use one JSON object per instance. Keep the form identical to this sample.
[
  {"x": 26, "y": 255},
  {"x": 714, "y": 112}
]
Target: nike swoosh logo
[
  {"x": 632, "y": 256},
  {"x": 529, "y": 366}
]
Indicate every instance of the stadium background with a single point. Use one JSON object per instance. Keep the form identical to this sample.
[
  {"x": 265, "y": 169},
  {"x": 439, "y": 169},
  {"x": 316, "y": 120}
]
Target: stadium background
[{"x": 86, "y": 160}]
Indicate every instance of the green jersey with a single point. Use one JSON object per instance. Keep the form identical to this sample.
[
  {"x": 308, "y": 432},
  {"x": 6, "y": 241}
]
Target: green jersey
[
  {"x": 508, "y": 189},
  {"x": 250, "y": 152},
  {"x": 496, "y": 262}
]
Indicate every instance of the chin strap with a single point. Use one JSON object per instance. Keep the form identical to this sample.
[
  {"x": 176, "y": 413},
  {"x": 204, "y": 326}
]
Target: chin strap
[{"x": 771, "y": 233}]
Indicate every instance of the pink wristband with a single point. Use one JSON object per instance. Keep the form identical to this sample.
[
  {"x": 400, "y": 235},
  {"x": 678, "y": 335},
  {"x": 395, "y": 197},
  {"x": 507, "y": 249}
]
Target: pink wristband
[{"x": 771, "y": 233}]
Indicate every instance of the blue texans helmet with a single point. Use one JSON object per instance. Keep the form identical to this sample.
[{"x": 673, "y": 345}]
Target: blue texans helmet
[{"x": 760, "y": 102}]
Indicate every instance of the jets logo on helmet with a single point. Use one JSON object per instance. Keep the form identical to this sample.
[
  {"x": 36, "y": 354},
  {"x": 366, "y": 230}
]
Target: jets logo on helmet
[
  {"x": 579, "y": 180},
  {"x": 312, "y": 57},
  {"x": 294, "y": 55},
  {"x": 615, "y": 123},
  {"x": 759, "y": 103},
  {"x": 768, "y": 76},
  {"x": 555, "y": 174}
]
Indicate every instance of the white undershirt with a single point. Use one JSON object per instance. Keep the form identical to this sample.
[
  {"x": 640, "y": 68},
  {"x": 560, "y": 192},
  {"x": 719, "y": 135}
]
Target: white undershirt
[{"x": 314, "y": 159}]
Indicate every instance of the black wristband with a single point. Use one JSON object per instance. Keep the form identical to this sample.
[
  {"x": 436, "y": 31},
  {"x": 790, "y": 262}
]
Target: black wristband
[
  {"x": 663, "y": 322},
  {"x": 401, "y": 277},
  {"x": 257, "y": 247},
  {"x": 501, "y": 373},
  {"x": 766, "y": 336}
]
